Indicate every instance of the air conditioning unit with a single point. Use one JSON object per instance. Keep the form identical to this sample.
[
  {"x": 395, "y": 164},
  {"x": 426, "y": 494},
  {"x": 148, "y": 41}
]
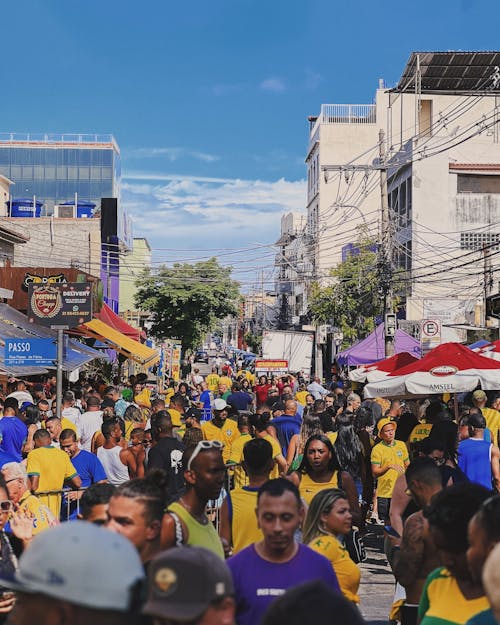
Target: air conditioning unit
[{"x": 64, "y": 212}]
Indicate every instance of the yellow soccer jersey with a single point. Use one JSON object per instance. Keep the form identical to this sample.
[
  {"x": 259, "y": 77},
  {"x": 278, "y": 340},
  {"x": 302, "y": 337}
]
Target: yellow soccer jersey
[
  {"x": 236, "y": 457},
  {"x": 419, "y": 432},
  {"x": 42, "y": 516},
  {"x": 347, "y": 570},
  {"x": 53, "y": 467},
  {"x": 492, "y": 417},
  {"x": 212, "y": 381},
  {"x": 242, "y": 503},
  {"x": 442, "y": 601},
  {"x": 276, "y": 452},
  {"x": 382, "y": 455},
  {"x": 227, "y": 434}
]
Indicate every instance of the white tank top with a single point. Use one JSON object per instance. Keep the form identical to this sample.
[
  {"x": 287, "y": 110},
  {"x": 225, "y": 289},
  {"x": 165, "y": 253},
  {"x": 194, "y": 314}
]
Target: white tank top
[{"x": 116, "y": 471}]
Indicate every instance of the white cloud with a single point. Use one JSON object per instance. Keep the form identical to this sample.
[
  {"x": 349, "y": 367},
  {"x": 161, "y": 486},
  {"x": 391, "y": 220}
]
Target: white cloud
[
  {"x": 171, "y": 153},
  {"x": 276, "y": 85},
  {"x": 196, "y": 212}
]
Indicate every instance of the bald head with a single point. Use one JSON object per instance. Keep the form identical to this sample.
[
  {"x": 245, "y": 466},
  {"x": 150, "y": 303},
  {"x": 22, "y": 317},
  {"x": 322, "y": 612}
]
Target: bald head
[{"x": 291, "y": 407}]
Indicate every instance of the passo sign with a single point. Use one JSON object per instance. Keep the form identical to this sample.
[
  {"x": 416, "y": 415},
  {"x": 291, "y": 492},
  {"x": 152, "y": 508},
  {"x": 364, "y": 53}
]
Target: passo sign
[{"x": 29, "y": 352}]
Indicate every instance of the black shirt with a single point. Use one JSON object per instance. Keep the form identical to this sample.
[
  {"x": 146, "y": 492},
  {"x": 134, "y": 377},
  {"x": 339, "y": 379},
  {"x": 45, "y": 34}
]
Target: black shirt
[{"x": 167, "y": 455}]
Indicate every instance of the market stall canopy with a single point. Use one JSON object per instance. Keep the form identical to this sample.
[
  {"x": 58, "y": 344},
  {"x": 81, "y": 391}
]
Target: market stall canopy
[
  {"x": 372, "y": 348},
  {"x": 449, "y": 368},
  {"x": 108, "y": 316},
  {"x": 13, "y": 324},
  {"x": 379, "y": 370},
  {"x": 126, "y": 346}
]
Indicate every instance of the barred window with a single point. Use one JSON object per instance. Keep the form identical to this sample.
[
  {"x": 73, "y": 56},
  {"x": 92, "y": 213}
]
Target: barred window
[{"x": 478, "y": 240}]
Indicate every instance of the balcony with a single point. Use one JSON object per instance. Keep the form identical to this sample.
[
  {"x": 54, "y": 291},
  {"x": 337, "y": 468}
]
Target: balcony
[{"x": 345, "y": 114}]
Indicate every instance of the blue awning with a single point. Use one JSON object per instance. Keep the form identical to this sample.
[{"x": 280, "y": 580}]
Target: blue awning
[{"x": 13, "y": 324}]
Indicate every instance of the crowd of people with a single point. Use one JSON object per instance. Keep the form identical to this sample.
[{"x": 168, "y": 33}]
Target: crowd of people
[{"x": 236, "y": 500}]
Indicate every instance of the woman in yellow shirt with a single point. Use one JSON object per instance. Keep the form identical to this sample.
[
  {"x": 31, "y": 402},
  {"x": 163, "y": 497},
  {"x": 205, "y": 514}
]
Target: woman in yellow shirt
[
  {"x": 320, "y": 470},
  {"x": 328, "y": 520}
]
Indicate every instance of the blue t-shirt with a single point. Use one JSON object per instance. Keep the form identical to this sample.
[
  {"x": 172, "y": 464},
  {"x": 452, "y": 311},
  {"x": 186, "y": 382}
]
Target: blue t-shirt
[
  {"x": 13, "y": 435},
  {"x": 474, "y": 458},
  {"x": 286, "y": 426},
  {"x": 258, "y": 582},
  {"x": 90, "y": 470},
  {"x": 239, "y": 400},
  {"x": 207, "y": 398}
]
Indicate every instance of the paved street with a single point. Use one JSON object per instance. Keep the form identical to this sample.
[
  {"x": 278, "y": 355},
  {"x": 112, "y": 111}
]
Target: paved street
[{"x": 377, "y": 582}]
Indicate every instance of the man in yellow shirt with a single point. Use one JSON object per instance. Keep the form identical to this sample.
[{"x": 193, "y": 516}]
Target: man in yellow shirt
[
  {"x": 220, "y": 428},
  {"x": 212, "y": 381},
  {"x": 238, "y": 523},
  {"x": 492, "y": 415},
  {"x": 389, "y": 460},
  {"x": 16, "y": 480},
  {"x": 48, "y": 468}
]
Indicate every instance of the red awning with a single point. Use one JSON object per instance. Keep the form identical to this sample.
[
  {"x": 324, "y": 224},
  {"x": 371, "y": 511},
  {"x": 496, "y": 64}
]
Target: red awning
[{"x": 112, "y": 319}]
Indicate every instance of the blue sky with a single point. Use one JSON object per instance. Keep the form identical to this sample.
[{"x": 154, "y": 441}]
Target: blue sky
[{"x": 209, "y": 100}]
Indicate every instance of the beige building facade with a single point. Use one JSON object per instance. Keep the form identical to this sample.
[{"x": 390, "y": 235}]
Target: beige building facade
[
  {"x": 131, "y": 266},
  {"x": 441, "y": 143}
]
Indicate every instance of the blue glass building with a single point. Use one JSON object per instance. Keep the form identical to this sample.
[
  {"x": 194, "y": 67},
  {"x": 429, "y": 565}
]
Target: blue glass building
[{"x": 54, "y": 167}]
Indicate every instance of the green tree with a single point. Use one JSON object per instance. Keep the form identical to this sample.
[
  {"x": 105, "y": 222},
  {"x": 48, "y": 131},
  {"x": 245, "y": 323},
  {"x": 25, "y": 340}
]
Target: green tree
[
  {"x": 354, "y": 298},
  {"x": 187, "y": 299}
]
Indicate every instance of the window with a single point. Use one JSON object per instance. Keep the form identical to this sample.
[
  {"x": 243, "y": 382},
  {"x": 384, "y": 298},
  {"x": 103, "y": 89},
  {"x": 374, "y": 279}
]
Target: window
[
  {"x": 478, "y": 183},
  {"x": 478, "y": 240}
]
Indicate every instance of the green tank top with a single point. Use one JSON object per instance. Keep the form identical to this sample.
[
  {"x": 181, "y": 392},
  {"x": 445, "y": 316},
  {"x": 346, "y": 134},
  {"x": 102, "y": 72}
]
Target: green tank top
[{"x": 198, "y": 534}]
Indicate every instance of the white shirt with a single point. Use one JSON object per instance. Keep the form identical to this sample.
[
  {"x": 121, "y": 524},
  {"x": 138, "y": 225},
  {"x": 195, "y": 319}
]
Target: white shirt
[
  {"x": 89, "y": 423},
  {"x": 316, "y": 390},
  {"x": 72, "y": 413}
]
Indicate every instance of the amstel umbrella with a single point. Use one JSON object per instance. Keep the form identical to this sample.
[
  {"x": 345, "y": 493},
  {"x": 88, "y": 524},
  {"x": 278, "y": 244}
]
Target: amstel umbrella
[
  {"x": 381, "y": 369},
  {"x": 449, "y": 368},
  {"x": 491, "y": 350}
]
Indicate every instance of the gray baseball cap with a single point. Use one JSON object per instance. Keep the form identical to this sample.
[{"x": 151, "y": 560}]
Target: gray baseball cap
[
  {"x": 184, "y": 581},
  {"x": 220, "y": 404},
  {"x": 81, "y": 563}
]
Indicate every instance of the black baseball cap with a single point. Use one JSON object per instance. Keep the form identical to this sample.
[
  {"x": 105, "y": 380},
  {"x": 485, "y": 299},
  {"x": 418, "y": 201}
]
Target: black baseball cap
[
  {"x": 192, "y": 413},
  {"x": 184, "y": 581}
]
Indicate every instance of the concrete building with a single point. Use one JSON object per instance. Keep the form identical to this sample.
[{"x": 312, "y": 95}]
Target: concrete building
[
  {"x": 292, "y": 263},
  {"x": 66, "y": 196},
  {"x": 441, "y": 141},
  {"x": 132, "y": 265}
]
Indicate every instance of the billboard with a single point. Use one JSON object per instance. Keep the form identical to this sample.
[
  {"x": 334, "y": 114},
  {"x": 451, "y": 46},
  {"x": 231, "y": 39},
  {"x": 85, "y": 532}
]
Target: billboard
[{"x": 60, "y": 305}]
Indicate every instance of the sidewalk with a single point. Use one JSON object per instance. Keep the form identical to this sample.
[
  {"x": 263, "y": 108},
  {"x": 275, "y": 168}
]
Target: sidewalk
[{"x": 377, "y": 582}]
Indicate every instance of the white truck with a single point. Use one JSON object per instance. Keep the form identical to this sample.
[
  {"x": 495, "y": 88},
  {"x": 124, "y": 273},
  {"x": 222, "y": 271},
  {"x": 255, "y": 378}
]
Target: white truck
[{"x": 295, "y": 347}]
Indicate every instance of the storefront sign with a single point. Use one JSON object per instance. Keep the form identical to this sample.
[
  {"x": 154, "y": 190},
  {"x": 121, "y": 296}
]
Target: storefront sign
[{"x": 60, "y": 305}]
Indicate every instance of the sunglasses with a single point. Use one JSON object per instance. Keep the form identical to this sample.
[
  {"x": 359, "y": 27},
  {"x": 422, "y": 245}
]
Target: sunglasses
[
  {"x": 5, "y": 506},
  {"x": 204, "y": 446}
]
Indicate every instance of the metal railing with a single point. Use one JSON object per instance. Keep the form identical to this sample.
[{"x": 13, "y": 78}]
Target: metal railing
[
  {"x": 348, "y": 114},
  {"x": 40, "y": 138}
]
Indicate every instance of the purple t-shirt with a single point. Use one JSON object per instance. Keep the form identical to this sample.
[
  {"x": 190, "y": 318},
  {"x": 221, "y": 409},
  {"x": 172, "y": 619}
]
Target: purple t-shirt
[{"x": 257, "y": 582}]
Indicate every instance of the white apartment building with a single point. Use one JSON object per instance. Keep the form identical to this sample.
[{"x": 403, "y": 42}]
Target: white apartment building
[{"x": 442, "y": 145}]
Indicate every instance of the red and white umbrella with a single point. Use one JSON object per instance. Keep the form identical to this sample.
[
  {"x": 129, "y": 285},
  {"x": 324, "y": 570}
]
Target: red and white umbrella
[
  {"x": 449, "y": 368},
  {"x": 378, "y": 370},
  {"x": 492, "y": 350}
]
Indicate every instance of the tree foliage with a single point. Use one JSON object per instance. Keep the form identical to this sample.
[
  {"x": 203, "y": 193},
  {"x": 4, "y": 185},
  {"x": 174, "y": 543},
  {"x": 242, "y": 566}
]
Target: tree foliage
[
  {"x": 187, "y": 299},
  {"x": 354, "y": 299}
]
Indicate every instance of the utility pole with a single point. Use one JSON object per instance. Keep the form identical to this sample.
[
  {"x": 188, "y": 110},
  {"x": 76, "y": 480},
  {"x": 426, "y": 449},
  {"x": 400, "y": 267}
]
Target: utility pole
[
  {"x": 386, "y": 253},
  {"x": 487, "y": 278}
]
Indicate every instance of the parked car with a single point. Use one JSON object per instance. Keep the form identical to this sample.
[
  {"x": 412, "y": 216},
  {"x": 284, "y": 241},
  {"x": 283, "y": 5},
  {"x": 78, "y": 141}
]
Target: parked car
[{"x": 201, "y": 356}]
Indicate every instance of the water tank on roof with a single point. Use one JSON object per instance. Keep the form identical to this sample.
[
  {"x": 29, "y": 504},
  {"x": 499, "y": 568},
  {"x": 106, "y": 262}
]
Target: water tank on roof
[
  {"x": 83, "y": 208},
  {"x": 23, "y": 207}
]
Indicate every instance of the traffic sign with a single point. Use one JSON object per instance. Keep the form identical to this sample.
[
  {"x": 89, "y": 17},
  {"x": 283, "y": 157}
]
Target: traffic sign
[
  {"x": 430, "y": 335},
  {"x": 24, "y": 352},
  {"x": 430, "y": 327}
]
